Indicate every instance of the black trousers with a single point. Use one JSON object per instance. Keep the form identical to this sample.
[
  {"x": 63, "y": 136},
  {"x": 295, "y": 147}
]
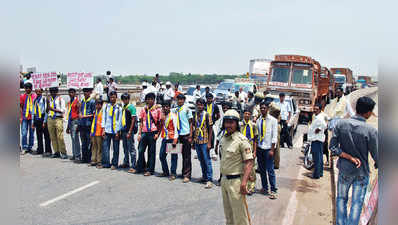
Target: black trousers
[
  {"x": 40, "y": 132},
  {"x": 186, "y": 156},
  {"x": 285, "y": 136},
  {"x": 86, "y": 143}
]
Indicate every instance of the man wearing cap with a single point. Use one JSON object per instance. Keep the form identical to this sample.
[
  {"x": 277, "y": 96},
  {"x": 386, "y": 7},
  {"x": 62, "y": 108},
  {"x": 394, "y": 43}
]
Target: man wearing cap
[
  {"x": 236, "y": 166},
  {"x": 87, "y": 110},
  {"x": 169, "y": 93}
]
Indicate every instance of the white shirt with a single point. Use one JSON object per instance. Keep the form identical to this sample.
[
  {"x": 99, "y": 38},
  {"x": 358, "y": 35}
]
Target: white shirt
[
  {"x": 59, "y": 104},
  {"x": 285, "y": 109},
  {"x": 99, "y": 88},
  {"x": 317, "y": 123},
  {"x": 169, "y": 94},
  {"x": 242, "y": 96},
  {"x": 197, "y": 94},
  {"x": 152, "y": 89},
  {"x": 271, "y": 132},
  {"x": 342, "y": 108},
  {"x": 111, "y": 87}
]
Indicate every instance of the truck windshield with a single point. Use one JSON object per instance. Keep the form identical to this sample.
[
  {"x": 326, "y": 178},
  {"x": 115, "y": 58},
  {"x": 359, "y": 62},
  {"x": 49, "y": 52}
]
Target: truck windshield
[
  {"x": 280, "y": 74},
  {"x": 302, "y": 76},
  {"x": 339, "y": 79}
]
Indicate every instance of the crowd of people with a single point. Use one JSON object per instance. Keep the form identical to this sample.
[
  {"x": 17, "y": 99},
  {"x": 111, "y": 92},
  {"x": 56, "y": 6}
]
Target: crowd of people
[{"x": 237, "y": 135}]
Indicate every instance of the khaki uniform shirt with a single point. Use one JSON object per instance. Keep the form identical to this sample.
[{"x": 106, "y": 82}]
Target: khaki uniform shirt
[{"x": 235, "y": 149}]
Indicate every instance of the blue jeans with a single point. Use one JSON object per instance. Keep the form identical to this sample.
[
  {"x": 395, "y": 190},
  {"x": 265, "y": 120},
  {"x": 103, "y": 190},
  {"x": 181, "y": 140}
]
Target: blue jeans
[
  {"x": 27, "y": 127},
  {"x": 128, "y": 149},
  {"x": 106, "y": 150},
  {"x": 359, "y": 185},
  {"x": 86, "y": 141},
  {"x": 205, "y": 161},
  {"x": 163, "y": 160},
  {"x": 266, "y": 167},
  {"x": 147, "y": 140},
  {"x": 73, "y": 127},
  {"x": 317, "y": 156}
]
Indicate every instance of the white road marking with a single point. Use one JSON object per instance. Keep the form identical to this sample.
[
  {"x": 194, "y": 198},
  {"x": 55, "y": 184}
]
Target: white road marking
[
  {"x": 292, "y": 205},
  {"x": 68, "y": 194}
]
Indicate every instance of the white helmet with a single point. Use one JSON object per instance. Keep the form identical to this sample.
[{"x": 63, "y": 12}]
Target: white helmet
[{"x": 168, "y": 83}]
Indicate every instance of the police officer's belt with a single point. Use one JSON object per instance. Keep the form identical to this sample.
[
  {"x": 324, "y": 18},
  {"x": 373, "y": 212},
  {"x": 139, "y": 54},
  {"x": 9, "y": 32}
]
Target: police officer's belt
[{"x": 230, "y": 177}]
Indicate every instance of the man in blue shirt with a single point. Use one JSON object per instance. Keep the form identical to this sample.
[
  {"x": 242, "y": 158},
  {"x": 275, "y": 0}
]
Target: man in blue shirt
[
  {"x": 352, "y": 141},
  {"x": 184, "y": 128},
  {"x": 87, "y": 110},
  {"x": 111, "y": 122},
  {"x": 40, "y": 124}
]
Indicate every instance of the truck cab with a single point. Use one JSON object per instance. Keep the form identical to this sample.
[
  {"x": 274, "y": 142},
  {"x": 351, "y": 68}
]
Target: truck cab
[{"x": 300, "y": 77}]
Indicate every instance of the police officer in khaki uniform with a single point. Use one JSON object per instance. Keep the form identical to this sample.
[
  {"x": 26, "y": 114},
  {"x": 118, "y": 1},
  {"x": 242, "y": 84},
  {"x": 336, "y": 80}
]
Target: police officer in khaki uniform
[{"x": 236, "y": 166}]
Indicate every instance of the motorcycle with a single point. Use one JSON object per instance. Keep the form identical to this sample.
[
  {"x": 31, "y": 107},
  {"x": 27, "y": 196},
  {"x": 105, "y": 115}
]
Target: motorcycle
[{"x": 308, "y": 161}]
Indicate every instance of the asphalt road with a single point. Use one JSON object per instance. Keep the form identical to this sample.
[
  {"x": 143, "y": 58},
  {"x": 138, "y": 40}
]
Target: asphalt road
[{"x": 117, "y": 197}]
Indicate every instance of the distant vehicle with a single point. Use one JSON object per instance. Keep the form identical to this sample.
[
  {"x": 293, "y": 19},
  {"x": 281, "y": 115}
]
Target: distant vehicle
[
  {"x": 259, "y": 69},
  {"x": 223, "y": 90},
  {"x": 367, "y": 79},
  {"x": 190, "y": 100},
  {"x": 362, "y": 83},
  {"x": 294, "y": 119},
  {"x": 341, "y": 82},
  {"x": 300, "y": 77},
  {"x": 349, "y": 83},
  {"x": 247, "y": 87}
]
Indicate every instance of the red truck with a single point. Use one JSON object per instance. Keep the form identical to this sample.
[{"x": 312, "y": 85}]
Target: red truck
[
  {"x": 344, "y": 79},
  {"x": 300, "y": 77}
]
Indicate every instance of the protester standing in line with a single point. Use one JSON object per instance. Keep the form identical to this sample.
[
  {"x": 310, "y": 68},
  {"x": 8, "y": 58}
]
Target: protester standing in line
[
  {"x": 148, "y": 134},
  {"x": 185, "y": 132},
  {"x": 214, "y": 112},
  {"x": 316, "y": 134},
  {"x": 248, "y": 128},
  {"x": 40, "y": 124},
  {"x": 202, "y": 134},
  {"x": 235, "y": 166},
  {"x": 96, "y": 135},
  {"x": 169, "y": 135},
  {"x": 26, "y": 109},
  {"x": 267, "y": 127},
  {"x": 111, "y": 123},
  {"x": 111, "y": 86},
  {"x": 129, "y": 119},
  {"x": 87, "y": 110},
  {"x": 56, "y": 110},
  {"x": 73, "y": 124},
  {"x": 286, "y": 113},
  {"x": 352, "y": 140}
]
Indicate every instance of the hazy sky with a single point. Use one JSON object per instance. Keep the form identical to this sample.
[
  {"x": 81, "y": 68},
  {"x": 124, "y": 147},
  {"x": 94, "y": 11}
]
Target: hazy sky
[{"x": 201, "y": 36}]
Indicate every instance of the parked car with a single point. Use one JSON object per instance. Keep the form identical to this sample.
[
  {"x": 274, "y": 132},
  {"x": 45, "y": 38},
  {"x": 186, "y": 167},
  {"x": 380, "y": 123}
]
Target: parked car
[
  {"x": 190, "y": 100},
  {"x": 223, "y": 91},
  {"x": 293, "y": 122}
]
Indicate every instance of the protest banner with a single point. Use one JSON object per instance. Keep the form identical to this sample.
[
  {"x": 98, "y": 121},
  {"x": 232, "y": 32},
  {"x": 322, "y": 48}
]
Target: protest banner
[
  {"x": 44, "y": 80},
  {"x": 80, "y": 80}
]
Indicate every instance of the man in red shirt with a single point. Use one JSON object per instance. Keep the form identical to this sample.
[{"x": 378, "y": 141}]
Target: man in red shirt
[
  {"x": 148, "y": 133},
  {"x": 73, "y": 123},
  {"x": 26, "y": 108}
]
